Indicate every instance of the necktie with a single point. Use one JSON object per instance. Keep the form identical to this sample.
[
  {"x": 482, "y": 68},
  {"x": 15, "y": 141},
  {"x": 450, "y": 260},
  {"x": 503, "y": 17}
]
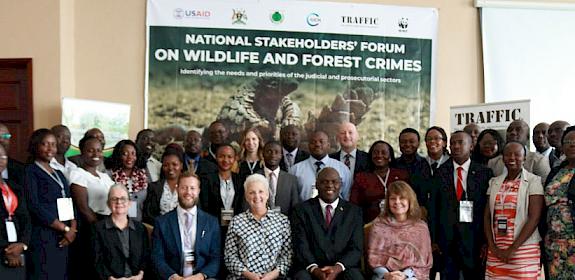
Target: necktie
[
  {"x": 188, "y": 233},
  {"x": 273, "y": 189},
  {"x": 289, "y": 159},
  {"x": 10, "y": 199},
  {"x": 347, "y": 161},
  {"x": 328, "y": 215},
  {"x": 459, "y": 183},
  {"x": 319, "y": 165}
]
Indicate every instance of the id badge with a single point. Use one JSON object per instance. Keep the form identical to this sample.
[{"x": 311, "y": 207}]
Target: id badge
[
  {"x": 466, "y": 211},
  {"x": 502, "y": 225},
  {"x": 227, "y": 216},
  {"x": 65, "y": 209},
  {"x": 133, "y": 210},
  {"x": 314, "y": 191},
  {"x": 382, "y": 205},
  {"x": 11, "y": 231}
]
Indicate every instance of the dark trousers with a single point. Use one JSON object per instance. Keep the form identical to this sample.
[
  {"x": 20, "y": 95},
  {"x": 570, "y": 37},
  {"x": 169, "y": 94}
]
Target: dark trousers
[
  {"x": 348, "y": 274},
  {"x": 454, "y": 266}
]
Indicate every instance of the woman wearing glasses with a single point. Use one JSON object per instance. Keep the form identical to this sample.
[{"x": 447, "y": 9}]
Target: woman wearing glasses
[{"x": 121, "y": 244}]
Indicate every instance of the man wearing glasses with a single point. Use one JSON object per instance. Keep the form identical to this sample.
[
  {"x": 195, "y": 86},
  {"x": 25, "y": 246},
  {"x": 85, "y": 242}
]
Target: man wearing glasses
[{"x": 15, "y": 169}]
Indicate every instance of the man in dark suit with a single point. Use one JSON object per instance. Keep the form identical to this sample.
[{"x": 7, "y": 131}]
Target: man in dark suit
[
  {"x": 290, "y": 137},
  {"x": 457, "y": 204},
  {"x": 327, "y": 233},
  {"x": 192, "y": 159},
  {"x": 356, "y": 160},
  {"x": 14, "y": 169},
  {"x": 186, "y": 241},
  {"x": 218, "y": 134},
  {"x": 283, "y": 186}
]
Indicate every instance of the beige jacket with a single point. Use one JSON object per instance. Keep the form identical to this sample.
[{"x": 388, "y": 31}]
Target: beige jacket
[{"x": 534, "y": 163}]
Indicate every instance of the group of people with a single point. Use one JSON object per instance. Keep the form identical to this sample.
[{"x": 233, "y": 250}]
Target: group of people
[{"x": 483, "y": 208}]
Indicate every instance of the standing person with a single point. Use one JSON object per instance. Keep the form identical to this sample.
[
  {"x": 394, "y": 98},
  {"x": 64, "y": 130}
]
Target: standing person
[
  {"x": 162, "y": 196},
  {"x": 554, "y": 134},
  {"x": 14, "y": 212},
  {"x": 60, "y": 162},
  {"x": 327, "y": 233},
  {"x": 283, "y": 186},
  {"x": 258, "y": 242},
  {"x": 489, "y": 145},
  {"x": 417, "y": 167},
  {"x": 370, "y": 187},
  {"x": 356, "y": 160},
  {"x": 127, "y": 169},
  {"x": 192, "y": 157},
  {"x": 14, "y": 169},
  {"x": 251, "y": 154},
  {"x": 436, "y": 143},
  {"x": 513, "y": 209},
  {"x": 51, "y": 210},
  {"x": 540, "y": 139},
  {"x": 290, "y": 137},
  {"x": 186, "y": 241},
  {"x": 306, "y": 171},
  {"x": 560, "y": 214},
  {"x": 399, "y": 245},
  {"x": 94, "y": 132},
  {"x": 146, "y": 146},
  {"x": 456, "y": 210},
  {"x": 218, "y": 135},
  {"x": 121, "y": 245},
  {"x": 89, "y": 189},
  {"x": 473, "y": 130},
  {"x": 518, "y": 130}
]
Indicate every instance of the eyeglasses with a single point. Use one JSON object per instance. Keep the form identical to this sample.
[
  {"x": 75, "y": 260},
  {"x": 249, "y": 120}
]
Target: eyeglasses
[
  {"x": 436, "y": 139},
  {"x": 569, "y": 142},
  {"x": 119, "y": 200},
  {"x": 4, "y": 157},
  {"x": 5, "y": 136}
]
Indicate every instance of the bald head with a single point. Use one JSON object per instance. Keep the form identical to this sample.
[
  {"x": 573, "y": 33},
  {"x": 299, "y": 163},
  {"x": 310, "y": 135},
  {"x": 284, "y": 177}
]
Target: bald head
[
  {"x": 347, "y": 136},
  {"x": 96, "y": 132},
  {"x": 555, "y": 132},
  {"x": 518, "y": 131}
]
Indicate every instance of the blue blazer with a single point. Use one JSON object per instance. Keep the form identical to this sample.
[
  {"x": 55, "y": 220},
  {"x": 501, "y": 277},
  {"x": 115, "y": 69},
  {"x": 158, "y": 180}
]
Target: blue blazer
[{"x": 167, "y": 256}]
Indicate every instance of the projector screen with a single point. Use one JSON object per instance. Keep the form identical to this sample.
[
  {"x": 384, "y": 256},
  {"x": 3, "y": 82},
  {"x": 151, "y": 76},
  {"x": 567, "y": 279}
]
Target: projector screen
[{"x": 529, "y": 53}]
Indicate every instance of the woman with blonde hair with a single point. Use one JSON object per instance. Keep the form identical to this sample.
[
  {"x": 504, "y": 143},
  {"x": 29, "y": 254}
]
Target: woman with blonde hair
[
  {"x": 251, "y": 153},
  {"x": 399, "y": 245}
]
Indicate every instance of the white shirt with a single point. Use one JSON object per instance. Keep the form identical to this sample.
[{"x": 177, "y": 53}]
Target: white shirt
[
  {"x": 169, "y": 199},
  {"x": 154, "y": 167},
  {"x": 188, "y": 239},
  {"x": 352, "y": 159},
  {"x": 464, "y": 173},
  {"x": 227, "y": 192},
  {"x": 97, "y": 188},
  {"x": 324, "y": 204},
  {"x": 66, "y": 168},
  {"x": 286, "y": 160},
  {"x": 305, "y": 171}
]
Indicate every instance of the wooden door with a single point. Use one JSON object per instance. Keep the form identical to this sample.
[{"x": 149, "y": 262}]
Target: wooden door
[{"x": 16, "y": 110}]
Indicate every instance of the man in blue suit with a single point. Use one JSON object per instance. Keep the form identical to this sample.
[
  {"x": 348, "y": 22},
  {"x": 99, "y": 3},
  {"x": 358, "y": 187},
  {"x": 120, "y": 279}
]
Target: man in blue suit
[{"x": 186, "y": 241}]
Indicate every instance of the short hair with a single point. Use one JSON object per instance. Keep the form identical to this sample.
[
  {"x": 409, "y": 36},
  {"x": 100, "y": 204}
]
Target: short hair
[
  {"x": 84, "y": 141},
  {"x": 189, "y": 174},
  {"x": 272, "y": 143},
  {"x": 404, "y": 190},
  {"x": 58, "y": 127},
  {"x": 256, "y": 178},
  {"x": 410, "y": 130},
  {"x": 370, "y": 154},
  {"x": 516, "y": 142},
  {"x": 118, "y": 186},
  {"x": 323, "y": 170},
  {"x": 461, "y": 131},
  {"x": 567, "y": 130},
  {"x": 142, "y": 132},
  {"x": 443, "y": 135},
  {"x": 35, "y": 139},
  {"x": 226, "y": 145},
  {"x": 173, "y": 149}
]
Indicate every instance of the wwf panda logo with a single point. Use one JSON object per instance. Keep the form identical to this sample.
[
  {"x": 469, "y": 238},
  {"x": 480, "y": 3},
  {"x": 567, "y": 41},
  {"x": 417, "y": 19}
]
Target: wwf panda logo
[{"x": 402, "y": 23}]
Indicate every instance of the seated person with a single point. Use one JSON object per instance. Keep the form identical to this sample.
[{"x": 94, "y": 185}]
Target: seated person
[
  {"x": 399, "y": 245},
  {"x": 258, "y": 242},
  {"x": 121, "y": 245}
]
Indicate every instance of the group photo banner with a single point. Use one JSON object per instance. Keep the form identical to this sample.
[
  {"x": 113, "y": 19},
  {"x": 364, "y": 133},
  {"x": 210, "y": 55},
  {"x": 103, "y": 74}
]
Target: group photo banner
[{"x": 270, "y": 64}]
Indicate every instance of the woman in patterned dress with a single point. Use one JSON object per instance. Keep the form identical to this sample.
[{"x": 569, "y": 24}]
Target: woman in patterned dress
[
  {"x": 560, "y": 202},
  {"x": 515, "y": 201}
]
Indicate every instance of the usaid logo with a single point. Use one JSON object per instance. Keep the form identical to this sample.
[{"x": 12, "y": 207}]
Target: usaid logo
[
  {"x": 180, "y": 13},
  {"x": 359, "y": 21},
  {"x": 313, "y": 19}
]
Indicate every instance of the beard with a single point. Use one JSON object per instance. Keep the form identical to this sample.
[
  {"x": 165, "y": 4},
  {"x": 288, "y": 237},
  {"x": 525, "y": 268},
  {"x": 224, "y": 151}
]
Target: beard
[{"x": 187, "y": 204}]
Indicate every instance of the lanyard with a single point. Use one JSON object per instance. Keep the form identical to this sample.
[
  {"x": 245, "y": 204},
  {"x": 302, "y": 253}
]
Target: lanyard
[
  {"x": 383, "y": 181},
  {"x": 54, "y": 177},
  {"x": 252, "y": 166},
  {"x": 10, "y": 200}
]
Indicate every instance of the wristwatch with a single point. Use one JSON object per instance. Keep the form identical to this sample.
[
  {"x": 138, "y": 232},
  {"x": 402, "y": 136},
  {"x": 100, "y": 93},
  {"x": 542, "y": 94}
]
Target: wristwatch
[{"x": 66, "y": 229}]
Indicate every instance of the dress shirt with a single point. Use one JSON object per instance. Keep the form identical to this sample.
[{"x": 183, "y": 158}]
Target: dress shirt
[
  {"x": 169, "y": 199},
  {"x": 547, "y": 152},
  {"x": 185, "y": 236},
  {"x": 324, "y": 204},
  {"x": 352, "y": 159},
  {"x": 154, "y": 168},
  {"x": 227, "y": 193},
  {"x": 5, "y": 174},
  {"x": 464, "y": 173},
  {"x": 66, "y": 168},
  {"x": 286, "y": 160},
  {"x": 305, "y": 172},
  {"x": 258, "y": 246},
  {"x": 96, "y": 186},
  {"x": 274, "y": 188}
]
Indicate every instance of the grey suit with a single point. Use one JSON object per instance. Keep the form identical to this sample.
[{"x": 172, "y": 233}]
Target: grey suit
[{"x": 287, "y": 194}]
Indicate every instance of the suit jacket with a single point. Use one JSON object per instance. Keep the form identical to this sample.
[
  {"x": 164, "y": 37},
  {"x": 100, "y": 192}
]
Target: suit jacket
[
  {"x": 21, "y": 218},
  {"x": 361, "y": 161},
  {"x": 301, "y": 155},
  {"x": 534, "y": 163},
  {"x": 445, "y": 227},
  {"x": 315, "y": 243},
  {"x": 151, "y": 208},
  {"x": 211, "y": 198},
  {"x": 204, "y": 167},
  {"x": 287, "y": 194},
  {"x": 16, "y": 171},
  {"x": 167, "y": 247},
  {"x": 109, "y": 255}
]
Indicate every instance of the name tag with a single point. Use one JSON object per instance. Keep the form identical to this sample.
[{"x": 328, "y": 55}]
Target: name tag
[
  {"x": 11, "y": 231},
  {"x": 65, "y": 209},
  {"x": 227, "y": 216},
  {"x": 502, "y": 225},
  {"x": 276, "y": 209},
  {"x": 465, "y": 211},
  {"x": 133, "y": 210}
]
